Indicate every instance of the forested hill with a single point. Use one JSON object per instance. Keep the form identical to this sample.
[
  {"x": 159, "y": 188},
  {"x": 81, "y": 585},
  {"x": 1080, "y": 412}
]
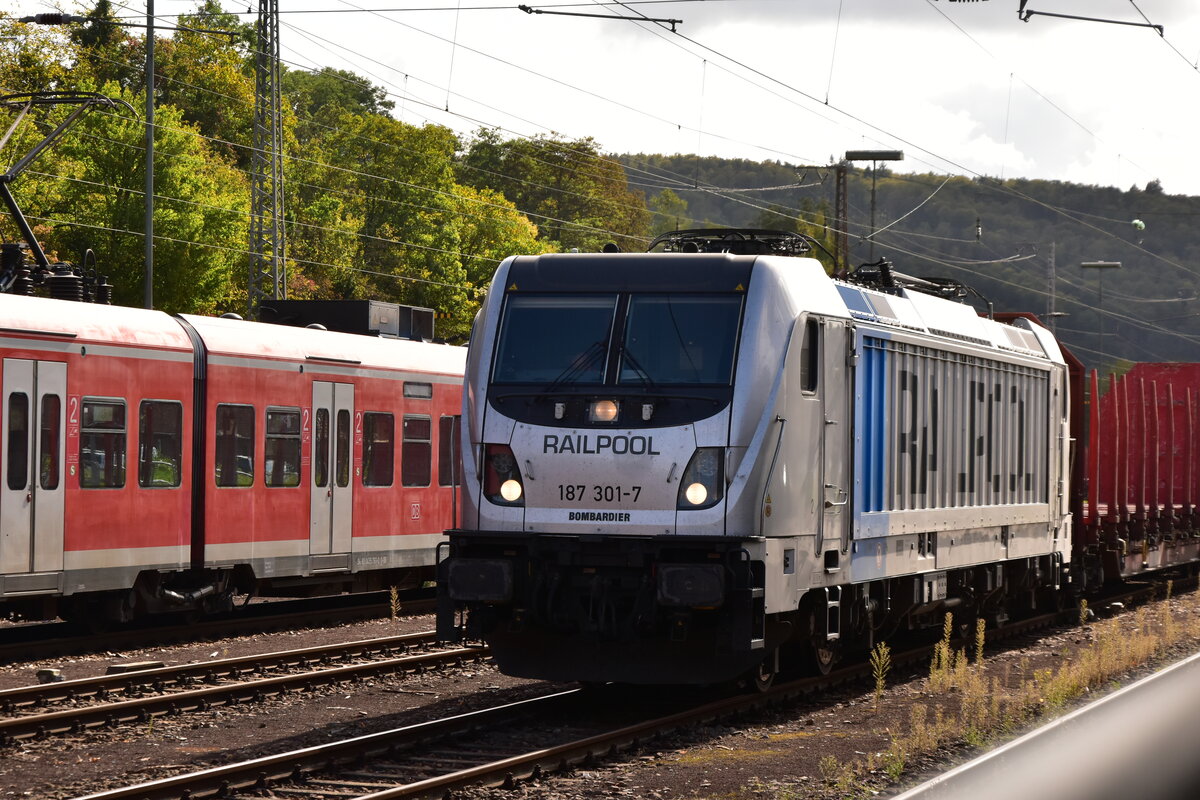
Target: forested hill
[
  {"x": 374, "y": 207},
  {"x": 1003, "y": 238}
]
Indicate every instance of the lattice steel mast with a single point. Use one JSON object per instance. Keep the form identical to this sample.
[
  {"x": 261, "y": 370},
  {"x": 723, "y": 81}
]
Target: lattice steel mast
[{"x": 268, "y": 274}]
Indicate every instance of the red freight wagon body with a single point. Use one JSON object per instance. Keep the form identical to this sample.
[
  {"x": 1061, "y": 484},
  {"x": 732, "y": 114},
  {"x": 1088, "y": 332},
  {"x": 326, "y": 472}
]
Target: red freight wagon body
[
  {"x": 153, "y": 462},
  {"x": 1143, "y": 477}
]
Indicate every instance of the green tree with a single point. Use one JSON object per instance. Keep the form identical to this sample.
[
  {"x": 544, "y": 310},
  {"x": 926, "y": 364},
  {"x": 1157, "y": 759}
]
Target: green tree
[
  {"x": 578, "y": 197},
  {"x": 326, "y": 89},
  {"x": 108, "y": 52},
  {"x": 669, "y": 212},
  {"x": 389, "y": 187},
  {"x": 200, "y": 209},
  {"x": 210, "y": 78},
  {"x": 490, "y": 230},
  {"x": 34, "y": 58}
]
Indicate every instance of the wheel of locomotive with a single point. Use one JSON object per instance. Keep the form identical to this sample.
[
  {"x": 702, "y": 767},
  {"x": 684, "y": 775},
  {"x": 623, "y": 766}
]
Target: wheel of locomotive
[
  {"x": 763, "y": 676},
  {"x": 825, "y": 655}
]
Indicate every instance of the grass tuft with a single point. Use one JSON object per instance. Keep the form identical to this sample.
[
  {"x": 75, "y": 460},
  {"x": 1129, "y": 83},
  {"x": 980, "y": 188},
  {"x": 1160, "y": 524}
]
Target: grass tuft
[{"x": 881, "y": 663}]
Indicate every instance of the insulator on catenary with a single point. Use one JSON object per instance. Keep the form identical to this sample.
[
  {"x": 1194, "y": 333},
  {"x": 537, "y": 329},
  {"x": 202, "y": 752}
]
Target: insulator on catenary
[
  {"x": 103, "y": 293},
  {"x": 65, "y": 284},
  {"x": 23, "y": 285}
]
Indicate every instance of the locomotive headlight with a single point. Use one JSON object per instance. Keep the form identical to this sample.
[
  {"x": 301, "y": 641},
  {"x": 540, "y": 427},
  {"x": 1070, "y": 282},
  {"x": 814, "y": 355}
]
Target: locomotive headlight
[
  {"x": 703, "y": 482},
  {"x": 603, "y": 410},
  {"x": 502, "y": 482}
]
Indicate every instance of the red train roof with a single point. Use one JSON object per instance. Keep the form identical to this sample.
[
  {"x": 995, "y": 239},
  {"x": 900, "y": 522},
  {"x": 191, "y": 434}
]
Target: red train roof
[
  {"x": 87, "y": 322},
  {"x": 234, "y": 337}
]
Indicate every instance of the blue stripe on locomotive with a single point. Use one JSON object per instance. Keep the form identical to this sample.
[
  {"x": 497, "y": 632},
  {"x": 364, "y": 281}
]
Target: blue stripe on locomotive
[{"x": 870, "y": 441}]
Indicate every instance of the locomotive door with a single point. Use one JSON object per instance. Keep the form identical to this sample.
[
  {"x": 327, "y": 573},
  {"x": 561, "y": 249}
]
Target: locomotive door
[
  {"x": 835, "y": 450},
  {"x": 332, "y": 468},
  {"x": 33, "y": 446}
]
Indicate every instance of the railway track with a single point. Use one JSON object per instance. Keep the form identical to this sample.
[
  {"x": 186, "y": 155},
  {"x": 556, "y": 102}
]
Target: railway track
[
  {"x": 56, "y": 639},
  {"x": 528, "y": 739},
  {"x": 110, "y": 700},
  {"x": 501, "y": 745}
]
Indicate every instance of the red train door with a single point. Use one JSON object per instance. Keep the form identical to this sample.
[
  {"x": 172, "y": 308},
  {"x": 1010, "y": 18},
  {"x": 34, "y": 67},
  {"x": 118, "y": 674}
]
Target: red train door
[
  {"x": 31, "y": 486},
  {"x": 332, "y": 468}
]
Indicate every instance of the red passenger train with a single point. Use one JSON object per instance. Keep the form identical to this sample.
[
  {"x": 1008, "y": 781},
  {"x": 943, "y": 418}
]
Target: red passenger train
[{"x": 154, "y": 462}]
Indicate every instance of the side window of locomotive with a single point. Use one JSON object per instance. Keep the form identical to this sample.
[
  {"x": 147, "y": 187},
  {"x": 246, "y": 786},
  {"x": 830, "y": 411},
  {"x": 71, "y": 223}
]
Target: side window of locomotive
[
  {"x": 160, "y": 444},
  {"x": 810, "y": 353},
  {"x": 417, "y": 451},
  {"x": 281, "y": 452},
  {"x": 449, "y": 452},
  {"x": 379, "y": 450},
  {"x": 102, "y": 444},
  {"x": 343, "y": 447},
  {"x": 235, "y": 445},
  {"x": 50, "y": 437},
  {"x": 18, "y": 440}
]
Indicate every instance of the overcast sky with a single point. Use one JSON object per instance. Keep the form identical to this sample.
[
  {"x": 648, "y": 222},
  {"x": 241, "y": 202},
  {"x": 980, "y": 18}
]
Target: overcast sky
[{"x": 961, "y": 87}]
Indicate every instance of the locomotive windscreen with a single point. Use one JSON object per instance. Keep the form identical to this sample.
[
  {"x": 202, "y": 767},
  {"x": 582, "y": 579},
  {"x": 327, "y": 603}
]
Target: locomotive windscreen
[
  {"x": 673, "y": 339},
  {"x": 558, "y": 340}
]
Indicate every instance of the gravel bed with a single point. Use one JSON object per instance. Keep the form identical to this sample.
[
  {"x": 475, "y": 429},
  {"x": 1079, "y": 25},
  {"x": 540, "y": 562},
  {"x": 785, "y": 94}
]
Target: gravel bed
[{"x": 783, "y": 755}]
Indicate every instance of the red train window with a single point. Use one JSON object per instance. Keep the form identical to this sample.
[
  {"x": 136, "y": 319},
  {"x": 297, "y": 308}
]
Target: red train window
[
  {"x": 235, "y": 445},
  {"x": 379, "y": 452},
  {"x": 449, "y": 453},
  {"x": 321, "y": 448},
  {"x": 160, "y": 444},
  {"x": 18, "y": 440},
  {"x": 102, "y": 444},
  {"x": 51, "y": 433},
  {"x": 415, "y": 457},
  {"x": 343, "y": 447},
  {"x": 282, "y": 448}
]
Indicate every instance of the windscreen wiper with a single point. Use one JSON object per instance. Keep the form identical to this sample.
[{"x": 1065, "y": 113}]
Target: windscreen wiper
[
  {"x": 581, "y": 363},
  {"x": 626, "y": 356}
]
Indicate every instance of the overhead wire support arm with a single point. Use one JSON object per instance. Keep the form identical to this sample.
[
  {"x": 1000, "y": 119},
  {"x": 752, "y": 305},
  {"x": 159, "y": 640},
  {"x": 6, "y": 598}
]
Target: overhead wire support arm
[
  {"x": 1026, "y": 14},
  {"x": 67, "y": 19},
  {"x": 23, "y": 103},
  {"x": 532, "y": 10}
]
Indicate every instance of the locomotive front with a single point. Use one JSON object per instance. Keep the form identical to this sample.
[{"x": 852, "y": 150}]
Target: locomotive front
[{"x": 598, "y": 538}]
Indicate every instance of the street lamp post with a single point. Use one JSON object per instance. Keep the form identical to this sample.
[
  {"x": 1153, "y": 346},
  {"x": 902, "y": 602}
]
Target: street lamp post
[
  {"x": 1102, "y": 266},
  {"x": 874, "y": 156}
]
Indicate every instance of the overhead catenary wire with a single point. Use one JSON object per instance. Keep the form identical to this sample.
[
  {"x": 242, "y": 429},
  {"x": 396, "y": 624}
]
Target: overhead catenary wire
[{"x": 244, "y": 251}]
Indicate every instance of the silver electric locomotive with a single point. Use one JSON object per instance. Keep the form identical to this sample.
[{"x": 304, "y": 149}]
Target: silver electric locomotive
[{"x": 688, "y": 467}]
